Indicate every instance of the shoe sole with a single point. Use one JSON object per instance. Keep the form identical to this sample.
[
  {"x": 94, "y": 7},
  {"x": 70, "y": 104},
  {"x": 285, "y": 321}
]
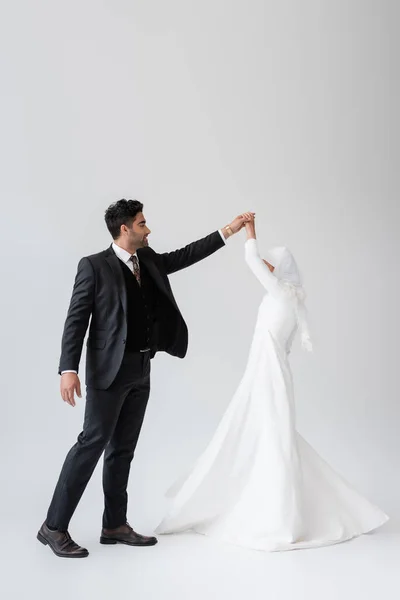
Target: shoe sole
[
  {"x": 43, "y": 541},
  {"x": 113, "y": 541}
]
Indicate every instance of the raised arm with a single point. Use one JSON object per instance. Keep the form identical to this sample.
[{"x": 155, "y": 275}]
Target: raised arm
[
  {"x": 196, "y": 251},
  {"x": 192, "y": 253},
  {"x": 256, "y": 263}
]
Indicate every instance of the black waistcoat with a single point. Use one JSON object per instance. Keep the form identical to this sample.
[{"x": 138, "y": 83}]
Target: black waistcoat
[{"x": 140, "y": 313}]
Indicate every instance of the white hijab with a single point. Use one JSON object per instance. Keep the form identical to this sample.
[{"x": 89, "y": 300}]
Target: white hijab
[{"x": 287, "y": 271}]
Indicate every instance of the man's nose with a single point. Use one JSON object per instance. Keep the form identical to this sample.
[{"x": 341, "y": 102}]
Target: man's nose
[{"x": 148, "y": 231}]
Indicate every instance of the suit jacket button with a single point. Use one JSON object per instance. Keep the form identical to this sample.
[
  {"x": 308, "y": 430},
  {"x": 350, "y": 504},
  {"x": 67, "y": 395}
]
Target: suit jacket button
[{"x": 124, "y": 341}]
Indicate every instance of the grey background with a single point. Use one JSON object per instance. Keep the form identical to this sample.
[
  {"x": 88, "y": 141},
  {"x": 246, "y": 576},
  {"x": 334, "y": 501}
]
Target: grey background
[{"x": 201, "y": 110}]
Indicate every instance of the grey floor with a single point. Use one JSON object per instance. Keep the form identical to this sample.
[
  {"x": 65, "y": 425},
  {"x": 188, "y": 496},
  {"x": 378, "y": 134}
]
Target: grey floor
[{"x": 191, "y": 567}]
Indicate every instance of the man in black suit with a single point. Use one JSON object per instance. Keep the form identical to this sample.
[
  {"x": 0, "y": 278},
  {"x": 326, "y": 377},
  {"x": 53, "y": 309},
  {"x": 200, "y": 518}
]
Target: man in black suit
[{"x": 126, "y": 292}]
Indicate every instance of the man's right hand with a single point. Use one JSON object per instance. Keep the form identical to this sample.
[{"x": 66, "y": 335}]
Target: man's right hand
[{"x": 70, "y": 385}]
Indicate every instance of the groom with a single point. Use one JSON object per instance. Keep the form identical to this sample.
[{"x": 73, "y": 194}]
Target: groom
[{"x": 126, "y": 294}]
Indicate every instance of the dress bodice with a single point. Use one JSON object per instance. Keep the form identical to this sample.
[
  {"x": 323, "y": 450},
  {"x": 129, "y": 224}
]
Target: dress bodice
[
  {"x": 277, "y": 311},
  {"x": 277, "y": 315}
]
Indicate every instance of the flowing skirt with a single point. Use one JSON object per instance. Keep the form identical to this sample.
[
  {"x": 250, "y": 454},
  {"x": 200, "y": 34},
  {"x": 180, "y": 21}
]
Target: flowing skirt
[{"x": 259, "y": 484}]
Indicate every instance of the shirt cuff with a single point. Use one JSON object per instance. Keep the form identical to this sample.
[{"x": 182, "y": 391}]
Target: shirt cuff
[
  {"x": 222, "y": 235},
  {"x": 62, "y": 372}
]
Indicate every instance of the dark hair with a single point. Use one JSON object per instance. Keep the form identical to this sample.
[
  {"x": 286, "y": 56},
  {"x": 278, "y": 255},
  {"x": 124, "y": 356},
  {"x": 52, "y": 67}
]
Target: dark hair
[{"x": 120, "y": 213}]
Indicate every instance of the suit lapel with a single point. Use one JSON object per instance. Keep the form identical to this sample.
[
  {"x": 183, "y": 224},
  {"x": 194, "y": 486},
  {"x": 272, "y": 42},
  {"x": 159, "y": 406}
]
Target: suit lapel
[{"x": 113, "y": 261}]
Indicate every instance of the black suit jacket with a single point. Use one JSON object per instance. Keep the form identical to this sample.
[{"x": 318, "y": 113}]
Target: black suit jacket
[{"x": 99, "y": 292}]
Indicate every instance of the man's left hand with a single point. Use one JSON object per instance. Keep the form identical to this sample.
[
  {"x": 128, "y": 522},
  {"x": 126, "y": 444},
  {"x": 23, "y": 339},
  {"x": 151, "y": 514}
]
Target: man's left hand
[{"x": 238, "y": 223}]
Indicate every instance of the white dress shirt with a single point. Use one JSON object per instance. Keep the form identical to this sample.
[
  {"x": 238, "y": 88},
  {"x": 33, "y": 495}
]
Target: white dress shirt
[{"x": 125, "y": 257}]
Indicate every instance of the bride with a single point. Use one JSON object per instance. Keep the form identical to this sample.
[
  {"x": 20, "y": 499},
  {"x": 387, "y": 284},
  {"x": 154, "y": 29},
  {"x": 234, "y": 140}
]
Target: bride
[{"x": 259, "y": 484}]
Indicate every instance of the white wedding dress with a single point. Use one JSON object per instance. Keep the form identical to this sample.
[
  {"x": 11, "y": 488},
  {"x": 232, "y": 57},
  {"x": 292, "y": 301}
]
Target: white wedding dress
[{"x": 259, "y": 484}]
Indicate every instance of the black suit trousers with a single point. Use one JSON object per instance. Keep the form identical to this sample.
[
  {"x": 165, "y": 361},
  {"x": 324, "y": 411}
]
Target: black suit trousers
[{"x": 112, "y": 423}]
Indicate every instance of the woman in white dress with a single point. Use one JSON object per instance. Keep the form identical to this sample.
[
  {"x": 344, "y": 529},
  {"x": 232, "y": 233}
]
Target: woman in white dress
[{"x": 259, "y": 484}]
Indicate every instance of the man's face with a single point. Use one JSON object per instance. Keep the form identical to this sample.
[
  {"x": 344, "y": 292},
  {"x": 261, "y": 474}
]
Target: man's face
[{"x": 138, "y": 232}]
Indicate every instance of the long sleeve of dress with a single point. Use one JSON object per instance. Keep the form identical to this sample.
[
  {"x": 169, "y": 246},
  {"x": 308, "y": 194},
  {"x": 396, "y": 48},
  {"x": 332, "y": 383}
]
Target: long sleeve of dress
[{"x": 259, "y": 268}]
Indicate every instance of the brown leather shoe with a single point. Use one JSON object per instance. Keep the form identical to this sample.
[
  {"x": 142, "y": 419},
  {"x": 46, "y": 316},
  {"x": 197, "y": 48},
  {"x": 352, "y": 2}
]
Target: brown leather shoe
[
  {"x": 126, "y": 535},
  {"x": 61, "y": 543}
]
